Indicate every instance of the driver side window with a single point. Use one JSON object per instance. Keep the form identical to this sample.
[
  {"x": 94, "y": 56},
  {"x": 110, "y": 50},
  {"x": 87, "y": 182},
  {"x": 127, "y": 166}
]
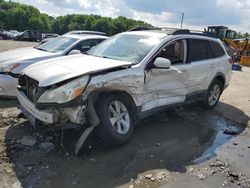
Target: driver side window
[{"x": 174, "y": 52}]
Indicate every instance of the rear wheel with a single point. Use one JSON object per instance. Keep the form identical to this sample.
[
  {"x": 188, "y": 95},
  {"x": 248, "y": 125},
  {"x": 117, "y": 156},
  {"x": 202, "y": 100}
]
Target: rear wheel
[
  {"x": 213, "y": 95},
  {"x": 116, "y": 121}
]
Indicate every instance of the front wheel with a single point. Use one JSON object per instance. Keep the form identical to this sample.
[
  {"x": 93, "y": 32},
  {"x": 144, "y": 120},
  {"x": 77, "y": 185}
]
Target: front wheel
[
  {"x": 116, "y": 121},
  {"x": 213, "y": 95}
]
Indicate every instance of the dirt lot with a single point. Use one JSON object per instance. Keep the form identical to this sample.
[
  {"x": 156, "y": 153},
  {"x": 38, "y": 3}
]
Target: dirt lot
[
  {"x": 7, "y": 44},
  {"x": 187, "y": 147}
]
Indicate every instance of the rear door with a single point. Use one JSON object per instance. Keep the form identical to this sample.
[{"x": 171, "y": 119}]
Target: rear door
[
  {"x": 221, "y": 60},
  {"x": 200, "y": 57}
]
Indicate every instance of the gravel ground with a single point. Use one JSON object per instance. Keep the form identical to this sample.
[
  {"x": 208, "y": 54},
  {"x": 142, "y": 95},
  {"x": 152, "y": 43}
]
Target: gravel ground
[
  {"x": 10, "y": 44},
  {"x": 187, "y": 147}
]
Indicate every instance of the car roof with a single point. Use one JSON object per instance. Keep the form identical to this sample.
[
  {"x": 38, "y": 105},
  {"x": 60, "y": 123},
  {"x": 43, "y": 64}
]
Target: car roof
[
  {"x": 86, "y": 32},
  {"x": 152, "y": 33},
  {"x": 173, "y": 33},
  {"x": 85, "y": 36}
]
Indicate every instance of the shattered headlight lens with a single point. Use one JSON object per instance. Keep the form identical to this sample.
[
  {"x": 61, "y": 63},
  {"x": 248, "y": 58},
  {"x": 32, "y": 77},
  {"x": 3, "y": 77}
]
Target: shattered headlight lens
[
  {"x": 65, "y": 93},
  {"x": 8, "y": 68}
]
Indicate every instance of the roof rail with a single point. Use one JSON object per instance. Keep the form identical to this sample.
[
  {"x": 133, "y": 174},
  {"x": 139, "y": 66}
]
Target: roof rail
[
  {"x": 193, "y": 32},
  {"x": 174, "y": 31},
  {"x": 180, "y": 32}
]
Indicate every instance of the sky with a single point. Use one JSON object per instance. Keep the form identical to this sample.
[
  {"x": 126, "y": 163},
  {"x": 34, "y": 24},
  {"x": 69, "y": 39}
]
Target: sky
[{"x": 198, "y": 14}]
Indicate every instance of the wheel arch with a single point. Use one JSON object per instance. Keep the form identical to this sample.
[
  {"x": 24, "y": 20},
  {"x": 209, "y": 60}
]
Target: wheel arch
[
  {"x": 221, "y": 77},
  {"x": 99, "y": 94}
]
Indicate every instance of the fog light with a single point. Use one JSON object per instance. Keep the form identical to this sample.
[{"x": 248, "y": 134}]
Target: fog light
[{"x": 1, "y": 90}]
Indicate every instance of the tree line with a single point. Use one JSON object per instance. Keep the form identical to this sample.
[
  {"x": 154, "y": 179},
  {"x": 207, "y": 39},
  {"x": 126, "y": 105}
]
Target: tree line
[
  {"x": 16, "y": 16},
  {"x": 243, "y": 35}
]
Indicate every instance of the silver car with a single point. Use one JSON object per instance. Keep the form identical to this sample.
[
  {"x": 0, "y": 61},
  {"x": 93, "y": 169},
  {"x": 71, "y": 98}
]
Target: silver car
[
  {"x": 14, "y": 61},
  {"x": 124, "y": 79}
]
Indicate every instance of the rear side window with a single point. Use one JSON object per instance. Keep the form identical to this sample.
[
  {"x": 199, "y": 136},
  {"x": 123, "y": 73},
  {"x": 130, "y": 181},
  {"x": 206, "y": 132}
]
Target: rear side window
[
  {"x": 199, "y": 50},
  {"x": 217, "y": 49}
]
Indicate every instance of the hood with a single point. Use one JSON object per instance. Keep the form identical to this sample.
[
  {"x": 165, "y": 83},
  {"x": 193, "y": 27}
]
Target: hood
[
  {"x": 60, "y": 69},
  {"x": 24, "y": 56}
]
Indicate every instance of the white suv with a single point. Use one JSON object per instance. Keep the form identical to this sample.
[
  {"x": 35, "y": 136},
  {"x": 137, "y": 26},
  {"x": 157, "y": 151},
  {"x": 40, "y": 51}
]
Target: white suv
[{"x": 125, "y": 78}]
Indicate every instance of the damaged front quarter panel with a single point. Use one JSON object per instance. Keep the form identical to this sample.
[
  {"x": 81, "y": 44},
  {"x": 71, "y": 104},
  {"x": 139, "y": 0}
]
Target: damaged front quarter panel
[
  {"x": 130, "y": 80},
  {"x": 76, "y": 114}
]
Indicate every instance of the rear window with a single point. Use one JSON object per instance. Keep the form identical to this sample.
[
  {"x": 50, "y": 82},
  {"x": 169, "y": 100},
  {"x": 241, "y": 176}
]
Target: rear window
[
  {"x": 199, "y": 50},
  {"x": 217, "y": 49}
]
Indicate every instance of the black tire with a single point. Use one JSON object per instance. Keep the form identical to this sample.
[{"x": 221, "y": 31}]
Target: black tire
[
  {"x": 105, "y": 129},
  {"x": 206, "y": 103}
]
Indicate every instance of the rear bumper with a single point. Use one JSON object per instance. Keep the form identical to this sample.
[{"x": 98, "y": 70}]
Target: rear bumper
[{"x": 32, "y": 113}]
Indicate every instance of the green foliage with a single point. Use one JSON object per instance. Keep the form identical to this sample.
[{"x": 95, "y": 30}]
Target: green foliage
[
  {"x": 16, "y": 16},
  {"x": 22, "y": 17},
  {"x": 243, "y": 35},
  {"x": 108, "y": 25}
]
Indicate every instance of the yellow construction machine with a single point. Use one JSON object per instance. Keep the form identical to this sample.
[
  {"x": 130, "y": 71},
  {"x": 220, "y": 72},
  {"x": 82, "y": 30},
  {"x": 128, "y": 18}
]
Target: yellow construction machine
[{"x": 241, "y": 45}]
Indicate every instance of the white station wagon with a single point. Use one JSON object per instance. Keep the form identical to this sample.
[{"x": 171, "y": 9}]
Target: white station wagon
[
  {"x": 13, "y": 62},
  {"x": 125, "y": 78}
]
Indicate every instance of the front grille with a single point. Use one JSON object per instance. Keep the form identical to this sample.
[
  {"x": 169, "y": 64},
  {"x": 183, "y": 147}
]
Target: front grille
[{"x": 30, "y": 87}]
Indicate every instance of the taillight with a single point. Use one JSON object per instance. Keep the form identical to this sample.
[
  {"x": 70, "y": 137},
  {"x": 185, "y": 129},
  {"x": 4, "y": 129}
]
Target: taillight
[{"x": 230, "y": 60}]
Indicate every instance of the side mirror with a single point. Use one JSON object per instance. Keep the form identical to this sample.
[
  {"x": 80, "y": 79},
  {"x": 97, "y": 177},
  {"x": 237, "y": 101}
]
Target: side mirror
[
  {"x": 162, "y": 63},
  {"x": 73, "y": 52}
]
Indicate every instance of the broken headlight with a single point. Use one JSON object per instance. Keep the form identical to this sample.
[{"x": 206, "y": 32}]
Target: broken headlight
[{"x": 65, "y": 93}]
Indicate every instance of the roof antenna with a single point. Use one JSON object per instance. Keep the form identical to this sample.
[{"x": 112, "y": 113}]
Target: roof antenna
[{"x": 182, "y": 18}]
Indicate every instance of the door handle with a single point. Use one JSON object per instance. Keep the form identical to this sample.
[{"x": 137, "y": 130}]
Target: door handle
[{"x": 183, "y": 71}]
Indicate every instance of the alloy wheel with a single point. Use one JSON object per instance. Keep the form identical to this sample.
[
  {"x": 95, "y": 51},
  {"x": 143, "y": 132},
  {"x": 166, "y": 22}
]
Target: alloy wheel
[
  {"x": 119, "y": 117},
  {"x": 214, "y": 95}
]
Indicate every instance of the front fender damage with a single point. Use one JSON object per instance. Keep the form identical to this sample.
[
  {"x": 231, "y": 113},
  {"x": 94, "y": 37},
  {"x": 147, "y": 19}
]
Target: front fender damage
[
  {"x": 104, "y": 83},
  {"x": 93, "y": 120}
]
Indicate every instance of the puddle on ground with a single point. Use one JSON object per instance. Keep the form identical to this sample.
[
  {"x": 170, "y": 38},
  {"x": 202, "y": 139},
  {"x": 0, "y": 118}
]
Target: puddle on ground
[
  {"x": 160, "y": 142},
  {"x": 166, "y": 141},
  {"x": 225, "y": 131}
]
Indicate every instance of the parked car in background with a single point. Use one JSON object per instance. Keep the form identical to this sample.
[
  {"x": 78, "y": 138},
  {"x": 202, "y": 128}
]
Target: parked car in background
[
  {"x": 8, "y": 34},
  {"x": 125, "y": 78},
  {"x": 48, "y": 36},
  {"x": 14, "y": 33},
  {"x": 14, "y": 61},
  {"x": 5, "y": 35},
  {"x": 30, "y": 35},
  {"x": 87, "y": 32}
]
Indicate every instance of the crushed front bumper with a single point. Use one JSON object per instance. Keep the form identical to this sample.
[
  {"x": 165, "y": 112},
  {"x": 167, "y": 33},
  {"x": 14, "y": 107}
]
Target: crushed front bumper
[{"x": 32, "y": 113}]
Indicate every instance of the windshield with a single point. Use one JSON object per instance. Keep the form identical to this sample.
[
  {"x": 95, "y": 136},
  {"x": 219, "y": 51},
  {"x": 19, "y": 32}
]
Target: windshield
[
  {"x": 58, "y": 44},
  {"x": 125, "y": 47}
]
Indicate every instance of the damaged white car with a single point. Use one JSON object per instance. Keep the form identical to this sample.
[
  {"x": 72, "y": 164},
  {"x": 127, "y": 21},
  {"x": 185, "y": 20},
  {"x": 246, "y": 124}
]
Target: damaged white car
[
  {"x": 125, "y": 78},
  {"x": 13, "y": 62}
]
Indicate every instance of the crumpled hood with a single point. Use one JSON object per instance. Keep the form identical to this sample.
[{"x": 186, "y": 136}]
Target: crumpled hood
[
  {"x": 59, "y": 69},
  {"x": 24, "y": 56}
]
